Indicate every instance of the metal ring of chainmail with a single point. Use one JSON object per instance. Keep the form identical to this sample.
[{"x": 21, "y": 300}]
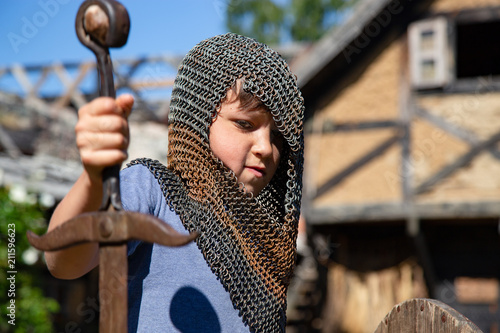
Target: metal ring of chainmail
[{"x": 249, "y": 242}]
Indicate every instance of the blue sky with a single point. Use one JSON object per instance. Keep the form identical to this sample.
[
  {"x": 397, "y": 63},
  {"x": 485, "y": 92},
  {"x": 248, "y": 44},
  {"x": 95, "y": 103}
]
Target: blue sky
[{"x": 42, "y": 31}]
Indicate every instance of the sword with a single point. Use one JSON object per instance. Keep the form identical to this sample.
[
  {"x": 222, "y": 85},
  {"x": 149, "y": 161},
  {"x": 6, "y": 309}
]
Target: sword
[{"x": 101, "y": 24}]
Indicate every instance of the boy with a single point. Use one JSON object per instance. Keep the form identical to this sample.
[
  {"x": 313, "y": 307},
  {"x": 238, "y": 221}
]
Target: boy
[{"x": 234, "y": 175}]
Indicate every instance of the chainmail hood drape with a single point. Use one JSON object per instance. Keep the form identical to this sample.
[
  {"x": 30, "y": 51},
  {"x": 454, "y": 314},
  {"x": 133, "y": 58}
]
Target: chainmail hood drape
[{"x": 249, "y": 242}]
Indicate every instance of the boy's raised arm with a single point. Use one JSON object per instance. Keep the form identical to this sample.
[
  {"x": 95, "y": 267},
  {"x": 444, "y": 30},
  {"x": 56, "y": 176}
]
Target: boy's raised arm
[{"x": 102, "y": 137}]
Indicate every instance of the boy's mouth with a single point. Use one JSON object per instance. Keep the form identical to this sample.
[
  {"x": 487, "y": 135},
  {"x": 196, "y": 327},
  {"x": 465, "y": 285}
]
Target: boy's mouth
[{"x": 257, "y": 171}]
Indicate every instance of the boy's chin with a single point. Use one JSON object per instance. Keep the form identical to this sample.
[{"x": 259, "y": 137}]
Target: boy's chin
[{"x": 255, "y": 191}]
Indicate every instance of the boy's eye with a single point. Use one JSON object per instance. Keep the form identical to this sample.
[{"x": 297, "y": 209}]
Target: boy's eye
[{"x": 244, "y": 124}]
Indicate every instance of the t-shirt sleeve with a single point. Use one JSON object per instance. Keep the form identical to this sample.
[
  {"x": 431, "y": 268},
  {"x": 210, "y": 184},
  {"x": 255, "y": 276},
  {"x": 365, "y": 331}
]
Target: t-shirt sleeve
[{"x": 140, "y": 192}]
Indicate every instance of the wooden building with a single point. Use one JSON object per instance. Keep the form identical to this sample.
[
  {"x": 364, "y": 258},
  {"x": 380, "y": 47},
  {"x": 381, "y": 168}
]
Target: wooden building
[{"x": 402, "y": 174}]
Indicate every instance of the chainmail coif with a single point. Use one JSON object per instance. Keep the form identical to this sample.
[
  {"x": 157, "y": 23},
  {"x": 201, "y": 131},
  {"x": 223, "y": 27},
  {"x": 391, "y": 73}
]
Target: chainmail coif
[{"x": 249, "y": 242}]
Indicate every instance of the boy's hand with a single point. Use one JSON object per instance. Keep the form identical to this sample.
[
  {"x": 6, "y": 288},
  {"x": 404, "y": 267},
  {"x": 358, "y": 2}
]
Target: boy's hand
[{"x": 102, "y": 133}]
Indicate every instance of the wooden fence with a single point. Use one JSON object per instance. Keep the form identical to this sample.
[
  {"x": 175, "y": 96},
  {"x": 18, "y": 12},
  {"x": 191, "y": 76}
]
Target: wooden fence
[{"x": 38, "y": 111}]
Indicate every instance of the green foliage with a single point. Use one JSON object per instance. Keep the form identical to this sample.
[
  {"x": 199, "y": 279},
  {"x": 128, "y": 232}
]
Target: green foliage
[
  {"x": 272, "y": 22},
  {"x": 260, "y": 19},
  {"x": 308, "y": 22},
  {"x": 32, "y": 309}
]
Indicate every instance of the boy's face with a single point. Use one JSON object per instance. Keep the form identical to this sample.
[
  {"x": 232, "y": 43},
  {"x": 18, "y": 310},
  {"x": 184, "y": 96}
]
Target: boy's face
[{"x": 247, "y": 142}]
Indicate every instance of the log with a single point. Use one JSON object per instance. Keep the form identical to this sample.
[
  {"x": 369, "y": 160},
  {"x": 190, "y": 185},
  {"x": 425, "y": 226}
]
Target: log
[{"x": 425, "y": 315}]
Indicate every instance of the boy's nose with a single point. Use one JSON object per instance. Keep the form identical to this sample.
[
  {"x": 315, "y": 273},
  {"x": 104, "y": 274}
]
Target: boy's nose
[{"x": 263, "y": 145}]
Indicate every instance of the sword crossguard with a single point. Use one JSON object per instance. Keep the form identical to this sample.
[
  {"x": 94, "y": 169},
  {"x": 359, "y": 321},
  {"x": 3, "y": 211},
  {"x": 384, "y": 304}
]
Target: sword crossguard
[{"x": 110, "y": 228}]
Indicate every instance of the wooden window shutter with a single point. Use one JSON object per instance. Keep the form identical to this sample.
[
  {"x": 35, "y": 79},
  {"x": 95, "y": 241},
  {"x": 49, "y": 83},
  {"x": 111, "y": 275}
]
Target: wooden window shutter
[{"x": 430, "y": 56}]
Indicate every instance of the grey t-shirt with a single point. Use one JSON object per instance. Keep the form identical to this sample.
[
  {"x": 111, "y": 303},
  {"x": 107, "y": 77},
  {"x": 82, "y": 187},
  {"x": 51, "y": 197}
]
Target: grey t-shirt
[{"x": 170, "y": 289}]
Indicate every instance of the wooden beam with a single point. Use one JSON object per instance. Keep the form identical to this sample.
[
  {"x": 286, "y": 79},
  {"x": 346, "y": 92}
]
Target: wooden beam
[
  {"x": 331, "y": 127},
  {"x": 446, "y": 126},
  {"x": 352, "y": 213},
  {"x": 339, "y": 177},
  {"x": 477, "y": 85},
  {"x": 476, "y": 15},
  {"x": 406, "y": 110},
  {"x": 457, "y": 164},
  {"x": 9, "y": 144},
  {"x": 31, "y": 99},
  {"x": 425, "y": 258},
  {"x": 454, "y": 130},
  {"x": 152, "y": 83},
  {"x": 72, "y": 93},
  {"x": 172, "y": 60},
  {"x": 22, "y": 78},
  {"x": 123, "y": 80},
  {"x": 45, "y": 73},
  {"x": 40, "y": 174},
  {"x": 399, "y": 212}
]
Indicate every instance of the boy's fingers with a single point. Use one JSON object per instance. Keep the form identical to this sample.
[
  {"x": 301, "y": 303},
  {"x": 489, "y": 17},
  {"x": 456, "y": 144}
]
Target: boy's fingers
[
  {"x": 99, "y": 106},
  {"x": 103, "y": 124},
  {"x": 107, "y": 105},
  {"x": 92, "y": 141},
  {"x": 125, "y": 103},
  {"x": 103, "y": 158}
]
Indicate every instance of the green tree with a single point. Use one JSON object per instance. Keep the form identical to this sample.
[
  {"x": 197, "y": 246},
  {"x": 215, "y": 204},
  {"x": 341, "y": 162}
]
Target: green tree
[
  {"x": 261, "y": 19},
  {"x": 32, "y": 309},
  {"x": 274, "y": 22}
]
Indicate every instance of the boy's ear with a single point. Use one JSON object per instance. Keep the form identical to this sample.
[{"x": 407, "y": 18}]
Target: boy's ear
[{"x": 215, "y": 113}]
